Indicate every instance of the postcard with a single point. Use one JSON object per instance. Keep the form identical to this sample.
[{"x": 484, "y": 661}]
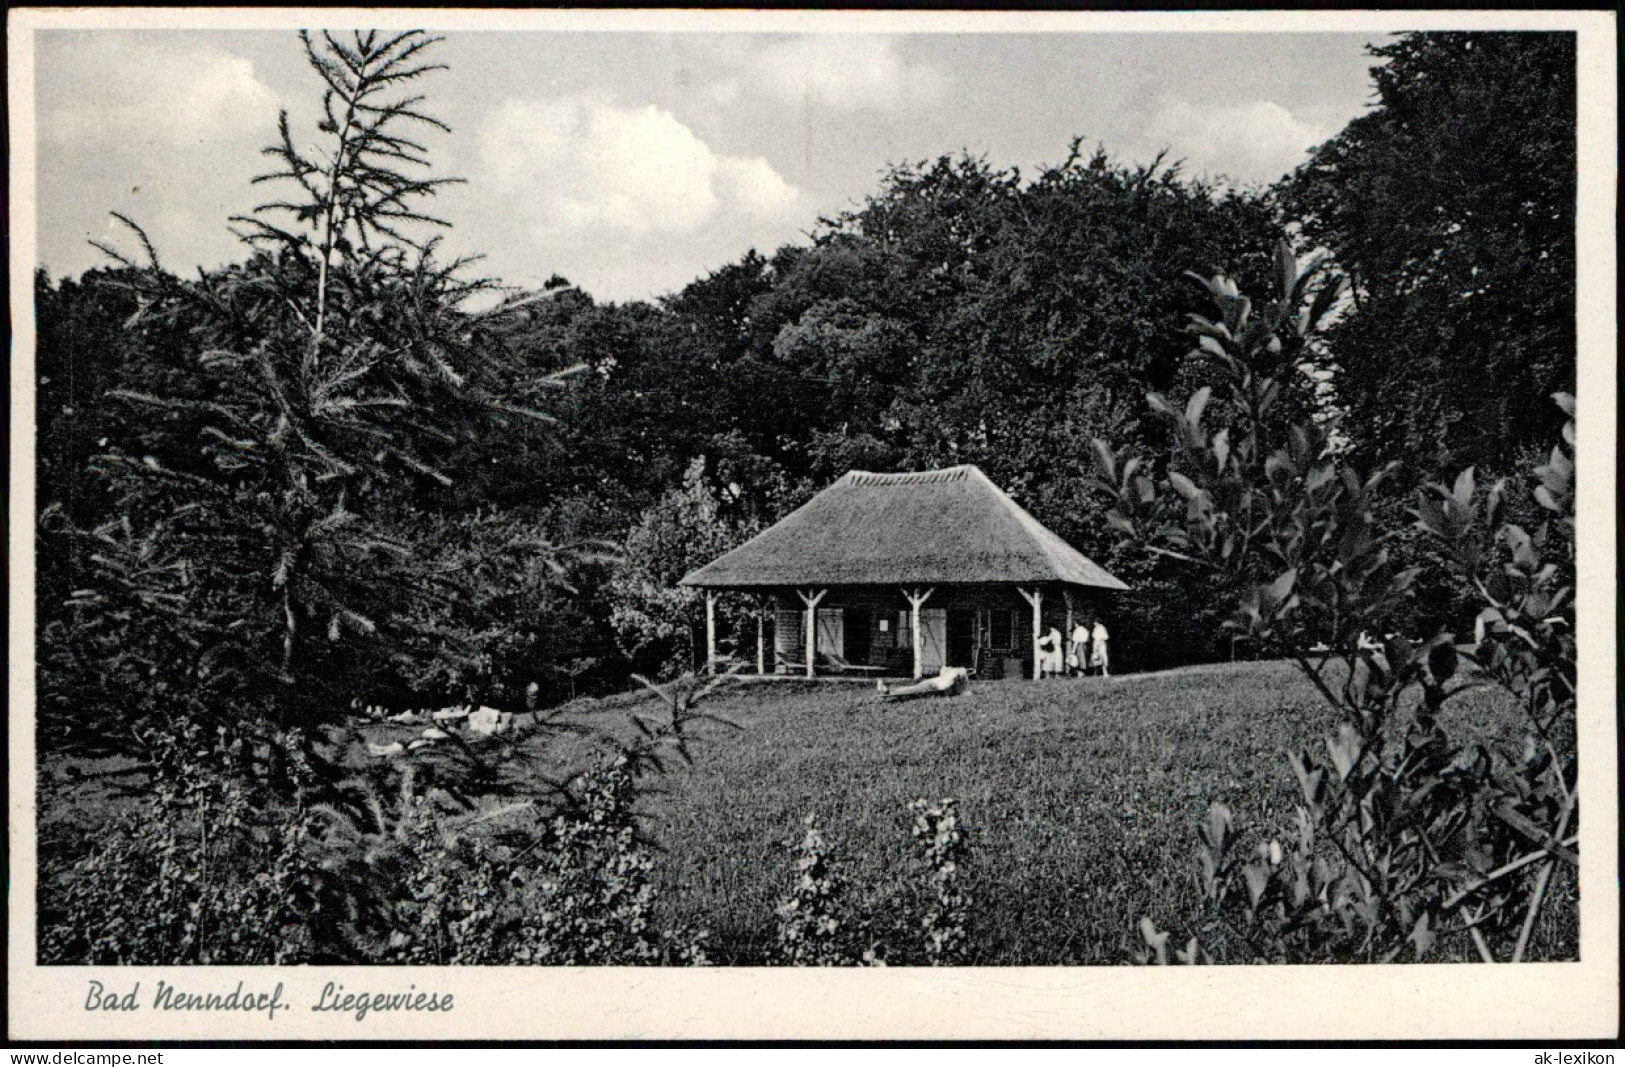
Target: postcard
[{"x": 619, "y": 525}]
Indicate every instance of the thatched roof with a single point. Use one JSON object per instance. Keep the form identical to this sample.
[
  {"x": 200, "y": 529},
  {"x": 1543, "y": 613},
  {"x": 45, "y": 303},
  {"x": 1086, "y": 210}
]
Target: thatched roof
[{"x": 950, "y": 526}]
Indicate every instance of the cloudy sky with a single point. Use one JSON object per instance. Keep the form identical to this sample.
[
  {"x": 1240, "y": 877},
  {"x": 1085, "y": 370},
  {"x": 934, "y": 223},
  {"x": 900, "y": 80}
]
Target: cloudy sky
[{"x": 632, "y": 163}]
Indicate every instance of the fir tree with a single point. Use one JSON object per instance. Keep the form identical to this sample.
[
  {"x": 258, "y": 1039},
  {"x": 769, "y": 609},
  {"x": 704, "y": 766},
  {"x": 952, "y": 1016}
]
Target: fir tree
[{"x": 293, "y": 536}]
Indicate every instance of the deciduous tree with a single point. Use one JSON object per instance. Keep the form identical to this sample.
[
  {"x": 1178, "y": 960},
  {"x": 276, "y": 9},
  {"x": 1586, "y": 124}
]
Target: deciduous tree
[{"x": 1451, "y": 207}]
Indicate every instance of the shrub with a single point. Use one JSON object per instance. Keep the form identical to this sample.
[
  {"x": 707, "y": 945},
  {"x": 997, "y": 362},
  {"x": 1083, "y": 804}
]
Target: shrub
[
  {"x": 589, "y": 898},
  {"x": 940, "y": 835},
  {"x": 818, "y": 927},
  {"x": 286, "y": 516},
  {"x": 206, "y": 873},
  {"x": 813, "y": 926},
  {"x": 1403, "y": 837}
]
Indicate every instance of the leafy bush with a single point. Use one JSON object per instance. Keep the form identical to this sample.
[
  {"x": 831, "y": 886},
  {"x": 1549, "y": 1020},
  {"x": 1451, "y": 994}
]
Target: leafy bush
[
  {"x": 288, "y": 530},
  {"x": 818, "y": 925},
  {"x": 206, "y": 874},
  {"x": 940, "y": 835},
  {"x": 1402, "y": 837},
  {"x": 814, "y": 930},
  {"x": 578, "y": 893},
  {"x": 396, "y": 865},
  {"x": 655, "y": 618}
]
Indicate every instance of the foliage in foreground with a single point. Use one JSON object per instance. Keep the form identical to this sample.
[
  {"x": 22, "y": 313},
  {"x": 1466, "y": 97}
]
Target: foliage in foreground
[
  {"x": 296, "y": 519},
  {"x": 168, "y": 885},
  {"x": 1402, "y": 836},
  {"x": 399, "y": 865},
  {"x": 290, "y": 501},
  {"x": 819, "y": 926},
  {"x": 686, "y": 529},
  {"x": 410, "y": 870}
]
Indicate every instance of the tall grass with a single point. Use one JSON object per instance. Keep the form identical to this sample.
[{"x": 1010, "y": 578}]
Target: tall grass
[{"x": 1081, "y": 797}]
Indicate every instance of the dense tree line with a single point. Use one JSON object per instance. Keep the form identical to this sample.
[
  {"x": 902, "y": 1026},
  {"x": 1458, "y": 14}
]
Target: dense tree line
[
  {"x": 1450, "y": 207},
  {"x": 320, "y": 464}
]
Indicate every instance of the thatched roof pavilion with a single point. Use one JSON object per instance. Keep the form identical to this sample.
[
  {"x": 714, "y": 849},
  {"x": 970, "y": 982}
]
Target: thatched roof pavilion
[{"x": 947, "y": 536}]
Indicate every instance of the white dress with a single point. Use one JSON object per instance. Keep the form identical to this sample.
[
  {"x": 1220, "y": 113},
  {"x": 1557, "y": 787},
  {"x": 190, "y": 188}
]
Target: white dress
[
  {"x": 1049, "y": 661},
  {"x": 1078, "y": 656}
]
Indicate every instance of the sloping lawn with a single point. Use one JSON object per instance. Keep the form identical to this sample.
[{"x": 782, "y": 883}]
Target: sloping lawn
[{"x": 1082, "y": 797}]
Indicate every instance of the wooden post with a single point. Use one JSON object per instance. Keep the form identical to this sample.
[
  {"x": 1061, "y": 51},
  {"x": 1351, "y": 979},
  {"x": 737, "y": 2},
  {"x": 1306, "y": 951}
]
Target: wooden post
[
  {"x": 811, "y": 599},
  {"x": 1066, "y": 637},
  {"x": 915, "y": 599},
  {"x": 1036, "y": 599},
  {"x": 710, "y": 632},
  {"x": 761, "y": 649}
]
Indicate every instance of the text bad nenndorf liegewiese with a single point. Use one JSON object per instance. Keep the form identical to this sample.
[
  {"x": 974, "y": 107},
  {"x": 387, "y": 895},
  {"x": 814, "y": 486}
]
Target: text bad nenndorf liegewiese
[{"x": 334, "y": 998}]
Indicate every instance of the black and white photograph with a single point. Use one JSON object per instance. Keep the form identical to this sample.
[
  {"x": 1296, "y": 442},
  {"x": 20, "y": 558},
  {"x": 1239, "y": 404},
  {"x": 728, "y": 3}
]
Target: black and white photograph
[{"x": 851, "y": 525}]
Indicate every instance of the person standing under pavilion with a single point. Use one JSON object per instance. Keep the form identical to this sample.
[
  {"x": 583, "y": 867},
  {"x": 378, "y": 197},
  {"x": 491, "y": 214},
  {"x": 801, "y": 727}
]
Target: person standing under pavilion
[{"x": 1097, "y": 648}]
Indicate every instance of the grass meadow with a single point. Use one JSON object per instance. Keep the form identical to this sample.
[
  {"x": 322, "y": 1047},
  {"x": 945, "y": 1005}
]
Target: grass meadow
[{"x": 1081, "y": 798}]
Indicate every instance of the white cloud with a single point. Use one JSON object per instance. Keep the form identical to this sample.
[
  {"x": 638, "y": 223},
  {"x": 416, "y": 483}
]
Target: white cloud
[
  {"x": 627, "y": 202},
  {"x": 756, "y": 187},
  {"x": 842, "y": 73},
  {"x": 165, "y": 131},
  {"x": 134, "y": 91},
  {"x": 584, "y": 164},
  {"x": 1256, "y": 141}
]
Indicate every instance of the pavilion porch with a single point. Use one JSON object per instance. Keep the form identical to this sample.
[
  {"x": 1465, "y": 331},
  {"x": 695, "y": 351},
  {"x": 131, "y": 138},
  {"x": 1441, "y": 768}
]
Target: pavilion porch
[{"x": 905, "y": 632}]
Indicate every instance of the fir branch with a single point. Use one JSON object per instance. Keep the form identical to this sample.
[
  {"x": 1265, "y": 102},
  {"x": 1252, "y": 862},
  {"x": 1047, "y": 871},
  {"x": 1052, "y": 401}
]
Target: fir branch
[{"x": 152, "y": 263}]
